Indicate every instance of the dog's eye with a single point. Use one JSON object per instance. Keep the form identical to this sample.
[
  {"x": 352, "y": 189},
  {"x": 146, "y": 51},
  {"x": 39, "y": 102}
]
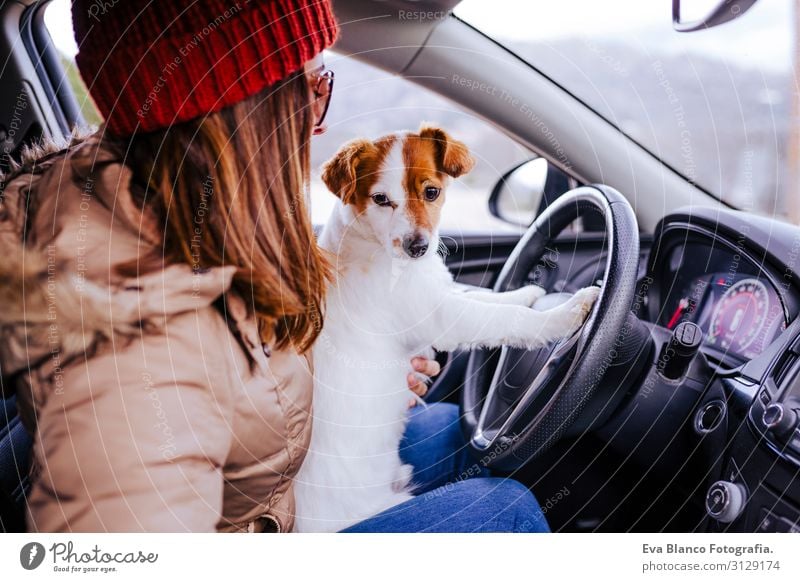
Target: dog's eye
[
  {"x": 381, "y": 199},
  {"x": 431, "y": 193}
]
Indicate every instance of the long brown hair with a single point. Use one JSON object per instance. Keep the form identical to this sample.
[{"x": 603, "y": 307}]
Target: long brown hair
[{"x": 229, "y": 189}]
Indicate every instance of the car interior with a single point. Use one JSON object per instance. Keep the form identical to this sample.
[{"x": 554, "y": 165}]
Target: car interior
[{"x": 675, "y": 409}]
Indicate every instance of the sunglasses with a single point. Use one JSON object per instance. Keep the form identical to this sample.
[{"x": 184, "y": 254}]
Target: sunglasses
[{"x": 321, "y": 82}]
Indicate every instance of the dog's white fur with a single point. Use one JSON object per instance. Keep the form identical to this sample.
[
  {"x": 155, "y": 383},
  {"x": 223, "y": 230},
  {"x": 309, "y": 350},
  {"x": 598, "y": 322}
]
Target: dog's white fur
[{"x": 383, "y": 309}]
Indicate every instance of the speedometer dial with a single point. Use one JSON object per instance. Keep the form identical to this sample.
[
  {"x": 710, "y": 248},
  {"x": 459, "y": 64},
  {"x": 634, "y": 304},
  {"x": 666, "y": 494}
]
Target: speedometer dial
[{"x": 739, "y": 316}]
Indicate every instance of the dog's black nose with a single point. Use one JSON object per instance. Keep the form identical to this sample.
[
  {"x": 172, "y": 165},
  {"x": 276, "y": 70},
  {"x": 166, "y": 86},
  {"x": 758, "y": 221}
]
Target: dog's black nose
[{"x": 415, "y": 246}]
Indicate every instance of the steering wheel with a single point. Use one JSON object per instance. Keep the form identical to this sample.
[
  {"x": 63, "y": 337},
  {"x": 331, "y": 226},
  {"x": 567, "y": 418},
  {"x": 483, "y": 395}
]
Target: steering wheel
[{"x": 517, "y": 403}]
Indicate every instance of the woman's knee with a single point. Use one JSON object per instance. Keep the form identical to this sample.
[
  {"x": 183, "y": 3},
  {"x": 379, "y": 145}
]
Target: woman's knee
[{"x": 510, "y": 490}]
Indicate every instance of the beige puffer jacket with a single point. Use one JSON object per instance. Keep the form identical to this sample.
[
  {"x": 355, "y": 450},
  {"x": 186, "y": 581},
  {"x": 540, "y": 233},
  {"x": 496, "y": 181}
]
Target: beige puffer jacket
[{"x": 153, "y": 403}]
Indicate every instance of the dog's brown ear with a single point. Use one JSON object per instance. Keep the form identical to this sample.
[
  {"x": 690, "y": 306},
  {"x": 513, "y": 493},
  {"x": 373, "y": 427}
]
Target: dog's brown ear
[
  {"x": 453, "y": 156},
  {"x": 340, "y": 173}
]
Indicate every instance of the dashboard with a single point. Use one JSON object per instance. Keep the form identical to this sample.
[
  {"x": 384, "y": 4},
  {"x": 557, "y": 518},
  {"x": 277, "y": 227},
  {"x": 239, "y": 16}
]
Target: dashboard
[
  {"x": 726, "y": 283},
  {"x": 732, "y": 299},
  {"x": 735, "y": 275},
  {"x": 737, "y": 408},
  {"x": 707, "y": 434},
  {"x": 730, "y": 273}
]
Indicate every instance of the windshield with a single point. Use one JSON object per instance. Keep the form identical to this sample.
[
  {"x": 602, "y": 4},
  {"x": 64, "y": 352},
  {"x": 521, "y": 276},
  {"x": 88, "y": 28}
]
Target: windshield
[{"x": 715, "y": 105}]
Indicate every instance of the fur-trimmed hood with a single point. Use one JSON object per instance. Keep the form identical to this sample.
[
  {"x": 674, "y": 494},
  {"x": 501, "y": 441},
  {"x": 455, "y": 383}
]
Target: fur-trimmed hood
[{"x": 66, "y": 221}]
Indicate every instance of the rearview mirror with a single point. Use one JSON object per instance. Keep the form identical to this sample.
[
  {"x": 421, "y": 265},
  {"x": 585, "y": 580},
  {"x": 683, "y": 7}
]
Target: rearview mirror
[
  {"x": 517, "y": 196},
  {"x": 689, "y": 15}
]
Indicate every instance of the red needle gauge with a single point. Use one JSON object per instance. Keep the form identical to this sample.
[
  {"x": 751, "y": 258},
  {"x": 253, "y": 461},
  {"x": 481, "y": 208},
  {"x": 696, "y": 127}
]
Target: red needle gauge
[{"x": 676, "y": 316}]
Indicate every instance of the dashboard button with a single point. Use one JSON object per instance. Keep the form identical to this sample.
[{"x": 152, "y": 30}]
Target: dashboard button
[
  {"x": 770, "y": 522},
  {"x": 725, "y": 501},
  {"x": 710, "y": 416},
  {"x": 717, "y": 500},
  {"x": 779, "y": 418},
  {"x": 767, "y": 522}
]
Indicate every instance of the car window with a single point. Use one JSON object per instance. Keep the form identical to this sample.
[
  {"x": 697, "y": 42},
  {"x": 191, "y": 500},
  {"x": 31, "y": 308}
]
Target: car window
[
  {"x": 58, "y": 20},
  {"x": 368, "y": 102},
  {"x": 714, "y": 104}
]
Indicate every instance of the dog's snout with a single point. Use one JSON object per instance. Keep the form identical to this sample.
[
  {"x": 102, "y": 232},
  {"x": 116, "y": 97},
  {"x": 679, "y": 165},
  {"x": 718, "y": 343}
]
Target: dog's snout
[{"x": 415, "y": 245}]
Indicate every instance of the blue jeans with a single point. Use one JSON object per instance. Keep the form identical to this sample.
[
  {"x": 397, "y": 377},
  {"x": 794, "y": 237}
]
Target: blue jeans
[{"x": 453, "y": 491}]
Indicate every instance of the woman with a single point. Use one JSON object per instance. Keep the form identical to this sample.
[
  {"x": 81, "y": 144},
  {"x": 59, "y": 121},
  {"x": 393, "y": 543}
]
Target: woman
[{"x": 166, "y": 286}]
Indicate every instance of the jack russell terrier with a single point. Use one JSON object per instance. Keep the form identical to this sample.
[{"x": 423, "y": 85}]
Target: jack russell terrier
[{"x": 393, "y": 298}]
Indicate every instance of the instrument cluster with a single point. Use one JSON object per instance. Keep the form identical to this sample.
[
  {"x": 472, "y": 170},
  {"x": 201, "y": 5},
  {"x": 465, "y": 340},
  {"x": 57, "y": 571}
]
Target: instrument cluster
[{"x": 734, "y": 301}]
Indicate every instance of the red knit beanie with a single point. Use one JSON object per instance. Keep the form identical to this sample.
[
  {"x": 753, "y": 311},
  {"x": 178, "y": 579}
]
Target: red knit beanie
[{"x": 153, "y": 63}]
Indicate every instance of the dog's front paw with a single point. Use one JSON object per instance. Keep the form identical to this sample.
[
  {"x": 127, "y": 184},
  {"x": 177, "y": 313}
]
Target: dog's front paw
[
  {"x": 530, "y": 294},
  {"x": 577, "y": 309}
]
